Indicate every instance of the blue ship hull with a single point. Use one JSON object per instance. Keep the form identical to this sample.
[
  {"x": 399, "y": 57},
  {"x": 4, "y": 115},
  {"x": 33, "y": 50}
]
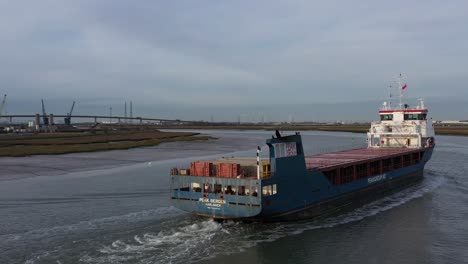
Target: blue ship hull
[{"x": 298, "y": 192}]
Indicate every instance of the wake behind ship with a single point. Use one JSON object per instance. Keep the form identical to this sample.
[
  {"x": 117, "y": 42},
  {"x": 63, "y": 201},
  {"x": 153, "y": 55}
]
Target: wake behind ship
[{"x": 291, "y": 185}]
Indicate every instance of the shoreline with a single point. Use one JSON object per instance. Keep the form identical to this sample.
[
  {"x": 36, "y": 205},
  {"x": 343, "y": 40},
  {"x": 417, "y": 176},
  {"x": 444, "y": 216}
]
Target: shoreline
[
  {"x": 358, "y": 128},
  {"x": 15, "y": 167},
  {"x": 19, "y": 168}
]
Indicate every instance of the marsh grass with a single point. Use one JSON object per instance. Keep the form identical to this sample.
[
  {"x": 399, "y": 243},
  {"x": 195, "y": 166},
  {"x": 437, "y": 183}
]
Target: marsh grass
[{"x": 61, "y": 143}]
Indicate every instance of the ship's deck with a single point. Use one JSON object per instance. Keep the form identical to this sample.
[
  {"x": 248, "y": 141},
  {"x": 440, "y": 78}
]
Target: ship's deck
[{"x": 352, "y": 156}]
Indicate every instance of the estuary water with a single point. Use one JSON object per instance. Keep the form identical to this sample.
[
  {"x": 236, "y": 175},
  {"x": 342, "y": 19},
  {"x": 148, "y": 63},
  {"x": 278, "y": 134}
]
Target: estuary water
[{"x": 122, "y": 213}]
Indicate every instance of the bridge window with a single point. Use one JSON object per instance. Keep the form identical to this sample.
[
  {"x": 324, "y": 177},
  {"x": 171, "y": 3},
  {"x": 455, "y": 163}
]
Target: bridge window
[
  {"x": 386, "y": 117},
  {"x": 415, "y": 116},
  {"x": 411, "y": 116}
]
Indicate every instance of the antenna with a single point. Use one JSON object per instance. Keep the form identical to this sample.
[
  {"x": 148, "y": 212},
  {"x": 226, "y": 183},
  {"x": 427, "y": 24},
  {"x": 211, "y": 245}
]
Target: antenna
[
  {"x": 401, "y": 80},
  {"x": 390, "y": 88}
]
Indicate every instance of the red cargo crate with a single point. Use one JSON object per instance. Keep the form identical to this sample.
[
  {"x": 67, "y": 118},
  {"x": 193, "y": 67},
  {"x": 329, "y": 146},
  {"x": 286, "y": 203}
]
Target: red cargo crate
[
  {"x": 222, "y": 170},
  {"x": 200, "y": 168},
  {"x": 227, "y": 170},
  {"x": 235, "y": 170}
]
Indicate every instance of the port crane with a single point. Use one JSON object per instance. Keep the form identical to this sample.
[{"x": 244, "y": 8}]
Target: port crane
[
  {"x": 45, "y": 119},
  {"x": 69, "y": 114}
]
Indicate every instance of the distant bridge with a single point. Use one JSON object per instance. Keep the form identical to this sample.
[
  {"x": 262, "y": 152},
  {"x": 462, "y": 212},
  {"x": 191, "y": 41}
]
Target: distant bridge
[{"x": 95, "y": 117}]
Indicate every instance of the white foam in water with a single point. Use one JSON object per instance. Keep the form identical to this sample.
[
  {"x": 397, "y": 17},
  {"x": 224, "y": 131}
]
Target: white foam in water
[
  {"x": 95, "y": 224},
  {"x": 174, "y": 245},
  {"x": 207, "y": 239}
]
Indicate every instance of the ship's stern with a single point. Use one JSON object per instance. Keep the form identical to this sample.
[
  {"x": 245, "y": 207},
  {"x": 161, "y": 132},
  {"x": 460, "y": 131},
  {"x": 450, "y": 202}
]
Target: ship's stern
[{"x": 218, "y": 198}]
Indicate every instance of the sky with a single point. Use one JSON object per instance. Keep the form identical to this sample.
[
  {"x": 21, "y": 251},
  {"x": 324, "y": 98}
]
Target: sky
[{"x": 194, "y": 60}]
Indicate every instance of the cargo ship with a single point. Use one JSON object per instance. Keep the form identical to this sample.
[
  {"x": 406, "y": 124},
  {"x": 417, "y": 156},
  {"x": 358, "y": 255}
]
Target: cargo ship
[{"x": 290, "y": 185}]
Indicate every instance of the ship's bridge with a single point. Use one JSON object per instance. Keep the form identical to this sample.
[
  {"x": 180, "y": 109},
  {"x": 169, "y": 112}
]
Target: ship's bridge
[
  {"x": 403, "y": 127},
  {"x": 403, "y": 115}
]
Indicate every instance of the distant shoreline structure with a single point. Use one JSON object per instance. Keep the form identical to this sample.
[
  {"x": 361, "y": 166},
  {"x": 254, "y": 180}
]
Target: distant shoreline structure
[{"x": 441, "y": 128}]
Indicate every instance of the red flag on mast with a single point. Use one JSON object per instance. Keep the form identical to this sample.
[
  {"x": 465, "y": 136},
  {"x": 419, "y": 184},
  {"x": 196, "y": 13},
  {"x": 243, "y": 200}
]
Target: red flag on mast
[{"x": 403, "y": 87}]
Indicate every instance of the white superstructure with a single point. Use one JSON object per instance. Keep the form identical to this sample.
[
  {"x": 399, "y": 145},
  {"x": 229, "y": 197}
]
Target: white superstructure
[{"x": 404, "y": 126}]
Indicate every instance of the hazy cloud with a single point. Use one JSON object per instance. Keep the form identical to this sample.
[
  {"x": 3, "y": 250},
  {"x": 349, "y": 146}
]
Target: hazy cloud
[{"x": 230, "y": 54}]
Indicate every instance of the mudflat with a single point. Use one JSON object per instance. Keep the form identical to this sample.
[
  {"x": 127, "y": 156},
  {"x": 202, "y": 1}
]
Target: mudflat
[{"x": 20, "y": 145}]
